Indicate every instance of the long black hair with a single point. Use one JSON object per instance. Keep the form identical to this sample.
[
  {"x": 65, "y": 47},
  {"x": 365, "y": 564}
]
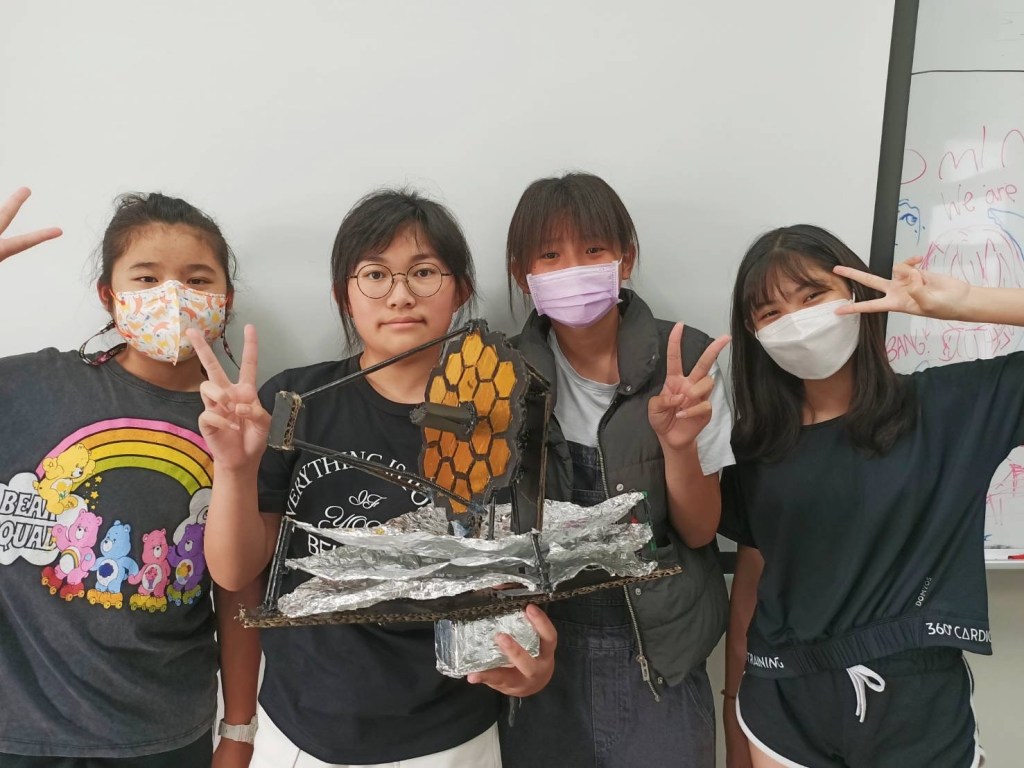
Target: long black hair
[{"x": 768, "y": 400}]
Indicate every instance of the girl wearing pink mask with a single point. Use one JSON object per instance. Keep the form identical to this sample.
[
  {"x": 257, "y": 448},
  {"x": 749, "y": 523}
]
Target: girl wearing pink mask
[
  {"x": 636, "y": 408},
  {"x": 858, "y": 502},
  {"x": 107, "y": 648}
]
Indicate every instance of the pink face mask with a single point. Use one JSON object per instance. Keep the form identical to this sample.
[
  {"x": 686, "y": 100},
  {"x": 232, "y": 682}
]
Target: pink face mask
[{"x": 577, "y": 297}]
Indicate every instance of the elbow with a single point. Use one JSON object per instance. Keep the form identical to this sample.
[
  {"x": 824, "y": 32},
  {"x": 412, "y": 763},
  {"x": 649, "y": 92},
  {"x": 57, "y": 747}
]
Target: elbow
[{"x": 697, "y": 539}]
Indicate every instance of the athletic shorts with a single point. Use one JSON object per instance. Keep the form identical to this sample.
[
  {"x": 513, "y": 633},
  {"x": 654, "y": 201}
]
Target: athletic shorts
[{"x": 909, "y": 710}]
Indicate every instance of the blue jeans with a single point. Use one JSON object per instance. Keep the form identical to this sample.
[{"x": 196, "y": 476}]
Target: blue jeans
[{"x": 597, "y": 711}]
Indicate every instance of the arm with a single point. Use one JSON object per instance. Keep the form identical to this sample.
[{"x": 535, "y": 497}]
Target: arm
[
  {"x": 742, "y": 602},
  {"x": 239, "y": 540},
  {"x": 931, "y": 294},
  {"x": 677, "y": 415},
  {"x": 12, "y": 245},
  {"x": 239, "y": 669}
]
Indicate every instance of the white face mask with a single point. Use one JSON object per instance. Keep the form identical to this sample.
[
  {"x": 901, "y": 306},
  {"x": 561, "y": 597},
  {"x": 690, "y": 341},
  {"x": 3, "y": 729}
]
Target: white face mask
[
  {"x": 812, "y": 343},
  {"x": 154, "y": 320}
]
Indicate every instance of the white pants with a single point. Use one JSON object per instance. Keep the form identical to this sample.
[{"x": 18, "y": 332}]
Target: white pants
[{"x": 275, "y": 750}]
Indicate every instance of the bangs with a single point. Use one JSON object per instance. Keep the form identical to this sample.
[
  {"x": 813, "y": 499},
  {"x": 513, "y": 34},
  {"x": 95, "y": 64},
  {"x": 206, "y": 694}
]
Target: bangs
[
  {"x": 761, "y": 285},
  {"x": 579, "y": 206}
]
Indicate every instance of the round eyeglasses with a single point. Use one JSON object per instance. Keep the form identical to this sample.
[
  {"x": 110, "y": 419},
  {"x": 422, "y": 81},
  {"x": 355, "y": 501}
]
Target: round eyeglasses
[{"x": 375, "y": 281}]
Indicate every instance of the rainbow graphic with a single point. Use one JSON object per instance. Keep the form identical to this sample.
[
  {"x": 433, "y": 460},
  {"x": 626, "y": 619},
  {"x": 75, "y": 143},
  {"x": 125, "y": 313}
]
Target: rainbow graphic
[{"x": 145, "y": 444}]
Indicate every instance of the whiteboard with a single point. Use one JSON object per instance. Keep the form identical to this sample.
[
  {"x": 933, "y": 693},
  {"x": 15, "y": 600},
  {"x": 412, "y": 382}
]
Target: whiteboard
[{"x": 961, "y": 202}]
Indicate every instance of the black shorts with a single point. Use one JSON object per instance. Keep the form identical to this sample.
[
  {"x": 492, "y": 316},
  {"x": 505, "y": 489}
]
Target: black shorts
[{"x": 909, "y": 710}]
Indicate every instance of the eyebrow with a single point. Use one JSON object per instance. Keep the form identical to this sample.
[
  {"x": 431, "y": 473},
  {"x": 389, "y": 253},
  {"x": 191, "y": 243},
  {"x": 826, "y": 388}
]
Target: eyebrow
[
  {"x": 153, "y": 265},
  {"x": 414, "y": 259}
]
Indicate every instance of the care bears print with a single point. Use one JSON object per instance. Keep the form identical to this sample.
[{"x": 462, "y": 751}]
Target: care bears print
[{"x": 56, "y": 515}]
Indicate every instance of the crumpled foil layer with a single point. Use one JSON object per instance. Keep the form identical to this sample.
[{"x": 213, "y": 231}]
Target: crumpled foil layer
[
  {"x": 412, "y": 557},
  {"x": 462, "y": 647}
]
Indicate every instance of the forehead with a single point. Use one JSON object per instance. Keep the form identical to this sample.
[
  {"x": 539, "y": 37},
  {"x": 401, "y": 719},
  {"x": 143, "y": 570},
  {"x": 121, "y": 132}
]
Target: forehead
[
  {"x": 170, "y": 244},
  {"x": 409, "y": 245}
]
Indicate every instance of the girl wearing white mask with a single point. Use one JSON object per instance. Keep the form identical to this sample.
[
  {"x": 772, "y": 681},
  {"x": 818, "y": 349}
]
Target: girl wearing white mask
[
  {"x": 107, "y": 649},
  {"x": 858, "y": 503},
  {"x": 636, "y": 408}
]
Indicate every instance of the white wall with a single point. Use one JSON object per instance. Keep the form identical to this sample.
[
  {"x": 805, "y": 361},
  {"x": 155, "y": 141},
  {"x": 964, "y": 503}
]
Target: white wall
[{"x": 714, "y": 121}]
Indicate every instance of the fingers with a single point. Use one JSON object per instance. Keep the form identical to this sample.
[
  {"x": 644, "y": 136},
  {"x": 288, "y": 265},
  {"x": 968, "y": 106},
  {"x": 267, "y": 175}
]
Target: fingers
[
  {"x": 250, "y": 356},
  {"x": 12, "y": 245},
  {"x": 544, "y": 628},
  {"x": 210, "y": 421},
  {"x": 673, "y": 355},
  {"x": 707, "y": 360},
  {"x": 211, "y": 364},
  {"x": 12, "y": 205},
  {"x": 864, "y": 278},
  {"x": 867, "y": 307}
]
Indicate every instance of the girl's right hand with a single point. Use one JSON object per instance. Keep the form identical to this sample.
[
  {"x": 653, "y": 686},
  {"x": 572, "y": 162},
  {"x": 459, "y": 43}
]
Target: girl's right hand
[
  {"x": 12, "y": 245},
  {"x": 234, "y": 424}
]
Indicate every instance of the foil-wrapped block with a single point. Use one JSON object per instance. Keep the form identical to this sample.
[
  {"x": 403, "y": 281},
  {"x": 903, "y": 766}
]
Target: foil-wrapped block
[{"x": 469, "y": 646}]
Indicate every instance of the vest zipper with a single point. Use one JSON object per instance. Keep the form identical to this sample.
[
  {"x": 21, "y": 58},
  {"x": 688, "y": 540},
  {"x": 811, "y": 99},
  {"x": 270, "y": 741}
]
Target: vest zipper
[{"x": 645, "y": 669}]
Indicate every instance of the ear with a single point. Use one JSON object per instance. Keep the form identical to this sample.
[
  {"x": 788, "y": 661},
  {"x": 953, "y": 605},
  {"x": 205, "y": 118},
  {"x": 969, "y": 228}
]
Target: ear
[
  {"x": 230, "y": 300},
  {"x": 628, "y": 262},
  {"x": 106, "y": 297}
]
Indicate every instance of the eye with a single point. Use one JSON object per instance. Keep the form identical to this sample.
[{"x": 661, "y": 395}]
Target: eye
[
  {"x": 594, "y": 250},
  {"x": 199, "y": 281},
  {"x": 146, "y": 279},
  {"x": 373, "y": 275},
  {"x": 813, "y": 295},
  {"x": 424, "y": 271},
  {"x": 909, "y": 218},
  {"x": 549, "y": 256},
  {"x": 76, "y": 472},
  {"x": 770, "y": 314}
]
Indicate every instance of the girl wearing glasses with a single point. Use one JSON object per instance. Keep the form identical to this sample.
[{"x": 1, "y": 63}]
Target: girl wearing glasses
[
  {"x": 107, "y": 649},
  {"x": 635, "y": 409},
  {"x": 367, "y": 694}
]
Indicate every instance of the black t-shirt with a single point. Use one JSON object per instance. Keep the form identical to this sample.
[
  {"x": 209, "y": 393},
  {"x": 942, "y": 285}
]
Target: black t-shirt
[
  {"x": 867, "y": 556},
  {"x": 356, "y": 693}
]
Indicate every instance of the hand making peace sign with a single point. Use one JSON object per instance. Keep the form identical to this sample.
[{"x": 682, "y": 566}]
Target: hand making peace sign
[
  {"x": 911, "y": 290},
  {"x": 12, "y": 245},
  {"x": 234, "y": 424},
  {"x": 683, "y": 407}
]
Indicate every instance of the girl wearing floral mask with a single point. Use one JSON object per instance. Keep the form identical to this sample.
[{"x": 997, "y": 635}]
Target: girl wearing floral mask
[
  {"x": 107, "y": 648},
  {"x": 636, "y": 408},
  {"x": 858, "y": 503}
]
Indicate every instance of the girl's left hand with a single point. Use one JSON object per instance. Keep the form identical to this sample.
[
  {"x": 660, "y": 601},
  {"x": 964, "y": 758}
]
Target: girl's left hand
[
  {"x": 911, "y": 290},
  {"x": 527, "y": 675},
  {"x": 683, "y": 408}
]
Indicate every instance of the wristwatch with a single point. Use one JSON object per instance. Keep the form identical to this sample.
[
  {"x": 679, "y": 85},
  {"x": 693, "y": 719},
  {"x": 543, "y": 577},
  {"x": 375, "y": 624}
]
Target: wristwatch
[{"x": 244, "y": 733}]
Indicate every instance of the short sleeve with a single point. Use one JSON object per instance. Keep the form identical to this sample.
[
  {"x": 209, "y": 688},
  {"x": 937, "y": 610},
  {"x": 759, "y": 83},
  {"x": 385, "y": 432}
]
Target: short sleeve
[
  {"x": 714, "y": 446},
  {"x": 276, "y": 467},
  {"x": 734, "y": 523}
]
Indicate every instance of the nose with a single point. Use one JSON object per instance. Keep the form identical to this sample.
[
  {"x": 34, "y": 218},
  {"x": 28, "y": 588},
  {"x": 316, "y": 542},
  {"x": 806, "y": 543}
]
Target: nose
[{"x": 400, "y": 295}]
